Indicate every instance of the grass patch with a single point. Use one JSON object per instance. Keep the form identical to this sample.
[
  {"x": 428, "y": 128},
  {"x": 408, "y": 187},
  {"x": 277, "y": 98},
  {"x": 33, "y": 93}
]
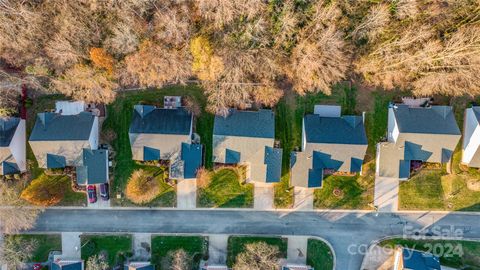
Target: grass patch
[
  {"x": 236, "y": 245},
  {"x": 453, "y": 253},
  {"x": 435, "y": 190},
  {"x": 319, "y": 255},
  {"x": 345, "y": 192},
  {"x": 225, "y": 190},
  {"x": 117, "y": 125},
  {"x": 46, "y": 243},
  {"x": 194, "y": 246},
  {"x": 116, "y": 248}
]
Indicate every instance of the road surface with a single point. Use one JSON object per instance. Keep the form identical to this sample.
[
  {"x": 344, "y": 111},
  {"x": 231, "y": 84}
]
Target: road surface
[{"x": 349, "y": 232}]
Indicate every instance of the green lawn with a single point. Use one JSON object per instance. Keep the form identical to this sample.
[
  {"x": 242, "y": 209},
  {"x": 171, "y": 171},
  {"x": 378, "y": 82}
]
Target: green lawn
[
  {"x": 434, "y": 190},
  {"x": 225, "y": 190},
  {"x": 195, "y": 246},
  {"x": 319, "y": 255},
  {"x": 46, "y": 243},
  {"x": 452, "y": 253},
  {"x": 115, "y": 131},
  {"x": 345, "y": 192},
  {"x": 116, "y": 248},
  {"x": 236, "y": 245}
]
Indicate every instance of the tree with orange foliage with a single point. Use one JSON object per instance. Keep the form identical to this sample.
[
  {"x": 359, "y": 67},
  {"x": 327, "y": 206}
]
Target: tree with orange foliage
[
  {"x": 101, "y": 59},
  {"x": 142, "y": 187}
]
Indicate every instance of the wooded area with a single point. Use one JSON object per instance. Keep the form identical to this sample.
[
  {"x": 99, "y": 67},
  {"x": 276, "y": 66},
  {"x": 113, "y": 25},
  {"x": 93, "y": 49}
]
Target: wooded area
[{"x": 242, "y": 50}]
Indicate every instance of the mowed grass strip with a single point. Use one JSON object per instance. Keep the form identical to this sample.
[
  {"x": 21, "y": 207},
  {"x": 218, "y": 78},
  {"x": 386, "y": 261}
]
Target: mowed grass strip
[
  {"x": 116, "y": 247},
  {"x": 319, "y": 255},
  {"x": 225, "y": 190}
]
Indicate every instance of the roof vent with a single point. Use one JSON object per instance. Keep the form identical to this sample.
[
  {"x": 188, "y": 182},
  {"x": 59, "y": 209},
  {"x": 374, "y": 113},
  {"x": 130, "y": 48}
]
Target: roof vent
[{"x": 172, "y": 102}]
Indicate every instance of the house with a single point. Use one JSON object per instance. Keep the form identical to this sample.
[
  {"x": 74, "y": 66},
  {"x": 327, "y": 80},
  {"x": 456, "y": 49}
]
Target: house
[
  {"x": 410, "y": 259},
  {"x": 296, "y": 267},
  {"x": 207, "y": 266},
  {"x": 331, "y": 143},
  {"x": 93, "y": 168},
  {"x": 139, "y": 266},
  {"x": 63, "y": 264},
  {"x": 58, "y": 140},
  {"x": 471, "y": 139},
  {"x": 247, "y": 138},
  {"x": 12, "y": 145},
  {"x": 165, "y": 134},
  {"x": 416, "y": 135}
]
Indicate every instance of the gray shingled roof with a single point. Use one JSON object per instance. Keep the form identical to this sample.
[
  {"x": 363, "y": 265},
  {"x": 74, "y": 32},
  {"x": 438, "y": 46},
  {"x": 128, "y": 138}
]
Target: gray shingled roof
[
  {"x": 8, "y": 125},
  {"x": 431, "y": 120},
  {"x": 56, "y": 127},
  {"x": 418, "y": 260},
  {"x": 335, "y": 130},
  {"x": 94, "y": 169},
  {"x": 259, "y": 124},
  {"x": 149, "y": 119}
]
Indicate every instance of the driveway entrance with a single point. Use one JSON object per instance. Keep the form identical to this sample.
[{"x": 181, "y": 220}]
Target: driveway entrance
[
  {"x": 386, "y": 194},
  {"x": 187, "y": 194}
]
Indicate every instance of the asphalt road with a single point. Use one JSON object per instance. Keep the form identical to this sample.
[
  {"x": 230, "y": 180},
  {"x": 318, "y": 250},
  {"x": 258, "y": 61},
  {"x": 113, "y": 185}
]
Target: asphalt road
[{"x": 349, "y": 232}]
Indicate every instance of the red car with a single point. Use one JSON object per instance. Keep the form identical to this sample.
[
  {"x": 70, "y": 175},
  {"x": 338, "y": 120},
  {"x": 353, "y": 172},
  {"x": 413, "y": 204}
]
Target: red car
[
  {"x": 92, "y": 194},
  {"x": 37, "y": 266}
]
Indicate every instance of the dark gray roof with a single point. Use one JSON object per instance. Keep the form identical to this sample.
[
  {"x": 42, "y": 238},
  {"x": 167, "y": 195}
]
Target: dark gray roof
[
  {"x": 413, "y": 259},
  {"x": 149, "y": 119},
  {"x": 132, "y": 266},
  {"x": 56, "y": 161},
  {"x": 94, "y": 169},
  {"x": 259, "y": 124},
  {"x": 273, "y": 160},
  {"x": 335, "y": 130},
  {"x": 476, "y": 111},
  {"x": 56, "y": 127},
  {"x": 8, "y": 125},
  {"x": 429, "y": 120},
  {"x": 9, "y": 168},
  {"x": 192, "y": 158},
  {"x": 70, "y": 266}
]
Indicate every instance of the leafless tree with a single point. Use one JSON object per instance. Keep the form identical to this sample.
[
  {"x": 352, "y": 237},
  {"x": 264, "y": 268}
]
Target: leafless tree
[
  {"x": 373, "y": 24},
  {"x": 97, "y": 262},
  {"x": 177, "y": 260},
  {"x": 258, "y": 256},
  {"x": 16, "y": 251}
]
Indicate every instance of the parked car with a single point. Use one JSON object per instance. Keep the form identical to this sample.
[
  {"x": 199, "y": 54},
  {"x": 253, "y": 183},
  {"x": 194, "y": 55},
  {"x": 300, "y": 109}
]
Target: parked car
[
  {"x": 37, "y": 266},
  {"x": 92, "y": 194},
  {"x": 104, "y": 192}
]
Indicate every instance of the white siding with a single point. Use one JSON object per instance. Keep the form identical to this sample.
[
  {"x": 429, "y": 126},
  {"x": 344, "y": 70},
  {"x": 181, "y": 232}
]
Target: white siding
[
  {"x": 392, "y": 126},
  {"x": 18, "y": 146},
  {"x": 471, "y": 140},
  {"x": 93, "y": 139},
  {"x": 69, "y": 107},
  {"x": 304, "y": 136}
]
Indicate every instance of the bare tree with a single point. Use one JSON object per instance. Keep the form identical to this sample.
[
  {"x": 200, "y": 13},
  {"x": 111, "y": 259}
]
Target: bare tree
[
  {"x": 16, "y": 251},
  {"x": 14, "y": 215},
  {"x": 373, "y": 24},
  {"x": 97, "y": 262},
  {"x": 258, "y": 256},
  {"x": 177, "y": 260}
]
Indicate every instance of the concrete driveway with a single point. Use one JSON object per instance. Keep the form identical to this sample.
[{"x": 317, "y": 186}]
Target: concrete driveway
[
  {"x": 303, "y": 198},
  {"x": 187, "y": 194},
  {"x": 142, "y": 246},
  {"x": 386, "y": 194},
  {"x": 71, "y": 245},
  {"x": 297, "y": 250},
  {"x": 217, "y": 249},
  {"x": 263, "y": 196}
]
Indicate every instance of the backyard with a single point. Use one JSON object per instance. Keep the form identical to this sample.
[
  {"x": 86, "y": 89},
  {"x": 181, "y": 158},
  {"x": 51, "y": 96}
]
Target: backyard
[
  {"x": 116, "y": 248},
  {"x": 115, "y": 132},
  {"x": 319, "y": 255},
  {"x": 236, "y": 245},
  {"x": 453, "y": 253},
  {"x": 223, "y": 188},
  {"x": 194, "y": 246}
]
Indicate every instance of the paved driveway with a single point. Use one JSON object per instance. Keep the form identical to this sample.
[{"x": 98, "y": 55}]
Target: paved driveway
[
  {"x": 297, "y": 250},
  {"x": 71, "y": 245},
  {"x": 187, "y": 194},
  {"x": 142, "y": 246},
  {"x": 386, "y": 194},
  {"x": 263, "y": 196},
  {"x": 303, "y": 198},
  {"x": 217, "y": 249}
]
